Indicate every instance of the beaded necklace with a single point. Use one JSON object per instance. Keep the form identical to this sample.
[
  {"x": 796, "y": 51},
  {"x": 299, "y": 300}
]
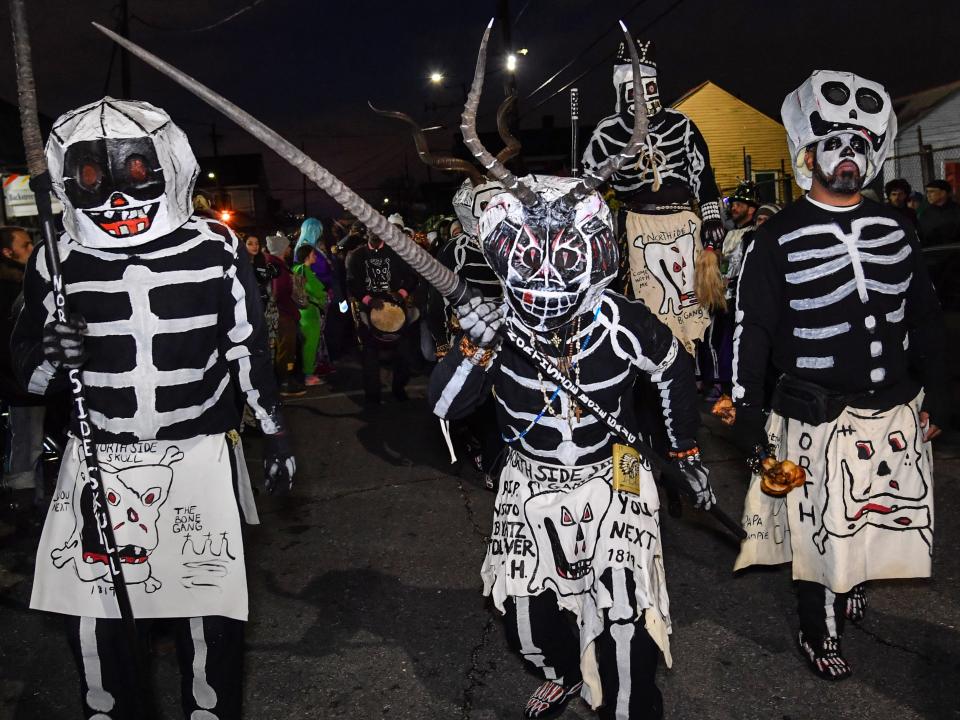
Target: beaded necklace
[{"x": 574, "y": 366}]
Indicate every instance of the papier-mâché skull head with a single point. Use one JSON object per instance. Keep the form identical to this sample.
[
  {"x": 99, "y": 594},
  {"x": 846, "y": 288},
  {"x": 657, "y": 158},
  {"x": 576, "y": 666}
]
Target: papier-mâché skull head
[
  {"x": 470, "y": 201},
  {"x": 623, "y": 80},
  {"x": 829, "y": 103},
  {"x": 553, "y": 258},
  {"x": 123, "y": 171}
]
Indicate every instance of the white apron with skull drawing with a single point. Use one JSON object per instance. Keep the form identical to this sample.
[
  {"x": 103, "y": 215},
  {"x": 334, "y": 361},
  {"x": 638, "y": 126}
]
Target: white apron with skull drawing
[
  {"x": 663, "y": 252},
  {"x": 866, "y": 511},
  {"x": 560, "y": 527},
  {"x": 176, "y": 522}
]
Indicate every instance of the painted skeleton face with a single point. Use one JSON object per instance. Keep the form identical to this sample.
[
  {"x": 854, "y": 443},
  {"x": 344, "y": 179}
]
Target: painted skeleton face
[
  {"x": 650, "y": 86},
  {"x": 552, "y": 259},
  {"x": 123, "y": 171},
  {"x": 880, "y": 480},
  {"x": 566, "y": 528},
  {"x": 832, "y": 103},
  {"x": 841, "y": 162},
  {"x": 469, "y": 202},
  {"x": 134, "y": 496}
]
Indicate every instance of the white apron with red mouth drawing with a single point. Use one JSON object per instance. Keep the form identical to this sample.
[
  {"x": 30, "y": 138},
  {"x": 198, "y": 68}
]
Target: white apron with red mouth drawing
[
  {"x": 560, "y": 527},
  {"x": 663, "y": 252},
  {"x": 176, "y": 522},
  {"x": 866, "y": 510}
]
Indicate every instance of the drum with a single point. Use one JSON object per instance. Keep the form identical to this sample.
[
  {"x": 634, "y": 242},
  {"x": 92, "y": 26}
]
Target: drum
[{"x": 387, "y": 321}]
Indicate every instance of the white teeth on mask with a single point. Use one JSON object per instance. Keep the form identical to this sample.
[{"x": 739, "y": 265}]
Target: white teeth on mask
[
  {"x": 109, "y": 214},
  {"x": 141, "y": 226},
  {"x": 124, "y": 230},
  {"x": 113, "y": 232}
]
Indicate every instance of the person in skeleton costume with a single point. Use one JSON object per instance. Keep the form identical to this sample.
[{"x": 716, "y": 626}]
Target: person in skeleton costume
[
  {"x": 661, "y": 237},
  {"x": 576, "y": 529},
  {"x": 834, "y": 293},
  {"x": 464, "y": 256},
  {"x": 169, "y": 332}
]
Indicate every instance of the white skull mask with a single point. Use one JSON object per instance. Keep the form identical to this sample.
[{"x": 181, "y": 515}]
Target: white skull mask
[
  {"x": 553, "y": 259},
  {"x": 830, "y": 103},
  {"x": 123, "y": 171},
  {"x": 623, "y": 81},
  {"x": 469, "y": 202}
]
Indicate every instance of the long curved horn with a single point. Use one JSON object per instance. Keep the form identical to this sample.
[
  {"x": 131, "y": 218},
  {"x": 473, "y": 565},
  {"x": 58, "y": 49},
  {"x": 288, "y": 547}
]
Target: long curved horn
[
  {"x": 503, "y": 127},
  {"x": 416, "y": 257},
  {"x": 441, "y": 162},
  {"x": 468, "y": 126},
  {"x": 592, "y": 179}
]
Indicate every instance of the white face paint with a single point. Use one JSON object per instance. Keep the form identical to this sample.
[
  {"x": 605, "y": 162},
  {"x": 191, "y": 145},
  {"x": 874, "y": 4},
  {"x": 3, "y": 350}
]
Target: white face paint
[{"x": 842, "y": 148}]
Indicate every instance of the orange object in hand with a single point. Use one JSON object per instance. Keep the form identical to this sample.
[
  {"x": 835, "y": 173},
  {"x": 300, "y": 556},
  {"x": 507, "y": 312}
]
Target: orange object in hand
[
  {"x": 725, "y": 410},
  {"x": 779, "y": 478}
]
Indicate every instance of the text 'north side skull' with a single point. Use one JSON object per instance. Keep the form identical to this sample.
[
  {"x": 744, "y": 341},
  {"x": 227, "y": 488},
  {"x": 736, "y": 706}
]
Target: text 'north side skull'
[
  {"x": 123, "y": 171},
  {"x": 555, "y": 257},
  {"x": 829, "y": 103}
]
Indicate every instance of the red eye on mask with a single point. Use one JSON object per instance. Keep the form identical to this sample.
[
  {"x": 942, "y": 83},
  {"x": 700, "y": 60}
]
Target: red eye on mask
[
  {"x": 90, "y": 175},
  {"x": 137, "y": 168}
]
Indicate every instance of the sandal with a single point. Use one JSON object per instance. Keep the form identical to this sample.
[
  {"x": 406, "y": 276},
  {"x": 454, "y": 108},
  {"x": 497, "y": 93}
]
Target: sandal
[
  {"x": 825, "y": 660},
  {"x": 549, "y": 699}
]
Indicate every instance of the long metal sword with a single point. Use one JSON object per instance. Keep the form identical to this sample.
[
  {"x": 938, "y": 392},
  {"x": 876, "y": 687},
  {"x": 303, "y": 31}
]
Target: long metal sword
[{"x": 443, "y": 279}]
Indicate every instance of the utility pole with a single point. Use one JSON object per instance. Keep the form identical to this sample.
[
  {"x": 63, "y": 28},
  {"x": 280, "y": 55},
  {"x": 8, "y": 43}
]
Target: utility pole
[
  {"x": 214, "y": 136},
  {"x": 124, "y": 55}
]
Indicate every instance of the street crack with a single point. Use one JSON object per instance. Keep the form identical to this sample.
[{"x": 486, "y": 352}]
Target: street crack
[
  {"x": 471, "y": 514},
  {"x": 475, "y": 675}
]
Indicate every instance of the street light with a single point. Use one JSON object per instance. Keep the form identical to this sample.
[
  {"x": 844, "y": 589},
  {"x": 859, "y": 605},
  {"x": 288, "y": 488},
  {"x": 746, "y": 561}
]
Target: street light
[
  {"x": 225, "y": 216},
  {"x": 211, "y": 175},
  {"x": 511, "y": 63},
  {"x": 386, "y": 201},
  {"x": 436, "y": 77},
  {"x": 523, "y": 51}
]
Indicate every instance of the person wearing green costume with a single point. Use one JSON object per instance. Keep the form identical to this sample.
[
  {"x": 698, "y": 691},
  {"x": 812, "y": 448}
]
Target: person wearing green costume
[{"x": 311, "y": 316}]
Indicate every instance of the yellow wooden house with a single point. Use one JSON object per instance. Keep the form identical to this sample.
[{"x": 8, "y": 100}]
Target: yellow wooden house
[{"x": 743, "y": 142}]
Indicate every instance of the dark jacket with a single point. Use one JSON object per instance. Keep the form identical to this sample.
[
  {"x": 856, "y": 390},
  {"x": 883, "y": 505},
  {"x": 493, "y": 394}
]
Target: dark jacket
[
  {"x": 939, "y": 225},
  {"x": 11, "y": 300}
]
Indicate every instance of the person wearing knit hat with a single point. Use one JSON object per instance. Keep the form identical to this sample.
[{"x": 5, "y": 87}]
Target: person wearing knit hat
[{"x": 764, "y": 213}]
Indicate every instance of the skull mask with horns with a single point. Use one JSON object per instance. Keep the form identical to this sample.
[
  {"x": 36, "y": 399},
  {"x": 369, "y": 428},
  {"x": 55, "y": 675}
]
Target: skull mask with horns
[{"x": 549, "y": 240}]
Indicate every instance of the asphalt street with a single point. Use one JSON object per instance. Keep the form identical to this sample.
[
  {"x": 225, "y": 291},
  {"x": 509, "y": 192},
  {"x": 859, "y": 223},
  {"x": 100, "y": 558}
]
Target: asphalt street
[{"x": 365, "y": 598}]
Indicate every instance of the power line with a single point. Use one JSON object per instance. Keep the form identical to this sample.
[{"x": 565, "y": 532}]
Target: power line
[
  {"x": 583, "y": 52},
  {"x": 228, "y": 18},
  {"x": 603, "y": 59}
]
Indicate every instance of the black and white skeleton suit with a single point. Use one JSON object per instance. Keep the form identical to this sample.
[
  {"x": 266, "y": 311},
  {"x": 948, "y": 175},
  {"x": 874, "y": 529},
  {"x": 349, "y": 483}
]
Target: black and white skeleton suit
[
  {"x": 839, "y": 298},
  {"x": 660, "y": 235},
  {"x": 464, "y": 256},
  {"x": 172, "y": 341},
  {"x": 564, "y": 540}
]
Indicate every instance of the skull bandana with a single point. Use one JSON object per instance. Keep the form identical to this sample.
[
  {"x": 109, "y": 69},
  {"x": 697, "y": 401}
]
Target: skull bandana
[
  {"x": 553, "y": 258},
  {"x": 123, "y": 171},
  {"x": 831, "y": 103}
]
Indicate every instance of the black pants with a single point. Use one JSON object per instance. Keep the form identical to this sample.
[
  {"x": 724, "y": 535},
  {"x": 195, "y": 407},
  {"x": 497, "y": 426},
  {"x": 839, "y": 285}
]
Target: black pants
[
  {"x": 546, "y": 638},
  {"x": 209, "y": 652},
  {"x": 398, "y": 354},
  {"x": 822, "y": 612},
  {"x": 482, "y": 424}
]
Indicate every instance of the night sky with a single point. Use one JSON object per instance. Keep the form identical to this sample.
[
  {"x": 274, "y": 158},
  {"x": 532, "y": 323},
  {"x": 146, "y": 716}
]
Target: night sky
[{"x": 308, "y": 68}]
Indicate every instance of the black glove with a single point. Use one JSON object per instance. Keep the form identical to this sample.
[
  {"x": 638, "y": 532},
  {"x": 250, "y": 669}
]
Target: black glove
[
  {"x": 712, "y": 233},
  {"x": 63, "y": 342},
  {"x": 749, "y": 430},
  {"x": 480, "y": 319},
  {"x": 698, "y": 477},
  {"x": 279, "y": 465}
]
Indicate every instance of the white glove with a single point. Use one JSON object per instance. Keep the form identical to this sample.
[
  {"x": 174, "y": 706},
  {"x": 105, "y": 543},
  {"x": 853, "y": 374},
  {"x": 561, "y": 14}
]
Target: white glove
[{"x": 481, "y": 319}]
